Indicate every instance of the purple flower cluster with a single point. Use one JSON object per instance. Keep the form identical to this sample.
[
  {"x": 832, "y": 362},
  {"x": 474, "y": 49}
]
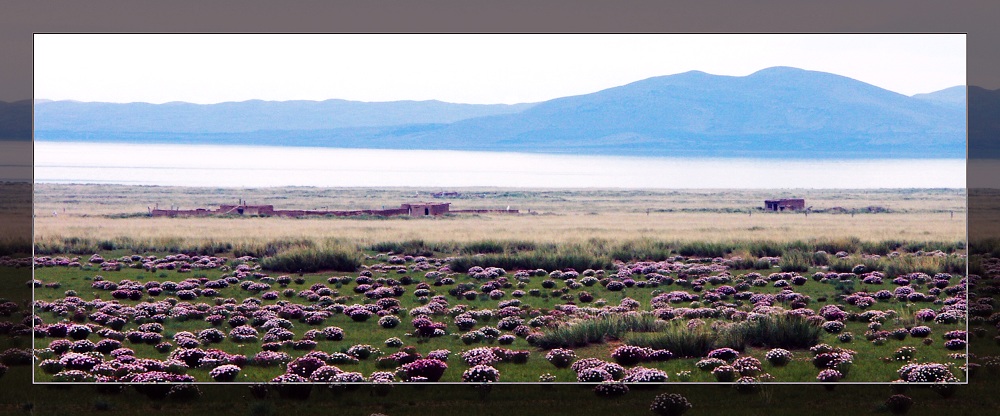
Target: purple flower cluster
[
  {"x": 645, "y": 375},
  {"x": 481, "y": 374},
  {"x": 829, "y": 376},
  {"x": 430, "y": 369},
  {"x": 727, "y": 354},
  {"x": 670, "y": 404},
  {"x": 926, "y": 373},
  {"x": 226, "y": 372}
]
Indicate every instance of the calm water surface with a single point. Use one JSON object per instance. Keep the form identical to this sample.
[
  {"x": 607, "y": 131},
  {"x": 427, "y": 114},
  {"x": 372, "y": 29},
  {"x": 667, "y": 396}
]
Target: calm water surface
[{"x": 264, "y": 166}]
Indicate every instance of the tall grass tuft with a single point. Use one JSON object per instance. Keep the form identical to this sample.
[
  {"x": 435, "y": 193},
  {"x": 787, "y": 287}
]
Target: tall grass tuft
[
  {"x": 925, "y": 264},
  {"x": 11, "y": 246},
  {"x": 773, "y": 331},
  {"x": 270, "y": 248},
  {"x": 638, "y": 250},
  {"x": 704, "y": 249},
  {"x": 598, "y": 330},
  {"x": 678, "y": 339},
  {"x": 795, "y": 261},
  {"x": 410, "y": 247},
  {"x": 310, "y": 260},
  {"x": 533, "y": 260},
  {"x": 495, "y": 246}
]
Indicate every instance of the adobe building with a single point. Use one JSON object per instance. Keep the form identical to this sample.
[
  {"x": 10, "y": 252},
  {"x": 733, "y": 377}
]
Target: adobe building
[
  {"x": 251, "y": 210},
  {"x": 784, "y": 204},
  {"x": 424, "y": 208},
  {"x": 419, "y": 209}
]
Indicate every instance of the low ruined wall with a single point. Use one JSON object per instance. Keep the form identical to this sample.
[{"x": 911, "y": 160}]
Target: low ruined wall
[
  {"x": 485, "y": 211},
  {"x": 181, "y": 213}
]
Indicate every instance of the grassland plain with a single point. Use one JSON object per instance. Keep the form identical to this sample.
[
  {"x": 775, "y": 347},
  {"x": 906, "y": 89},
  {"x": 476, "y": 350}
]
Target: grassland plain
[
  {"x": 527, "y": 399},
  {"x": 106, "y": 212}
]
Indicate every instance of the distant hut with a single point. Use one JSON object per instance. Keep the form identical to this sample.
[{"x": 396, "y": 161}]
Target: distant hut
[
  {"x": 784, "y": 204},
  {"x": 425, "y": 208}
]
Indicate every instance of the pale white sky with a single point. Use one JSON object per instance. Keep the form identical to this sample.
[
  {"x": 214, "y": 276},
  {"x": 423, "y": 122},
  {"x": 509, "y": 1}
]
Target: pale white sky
[{"x": 481, "y": 69}]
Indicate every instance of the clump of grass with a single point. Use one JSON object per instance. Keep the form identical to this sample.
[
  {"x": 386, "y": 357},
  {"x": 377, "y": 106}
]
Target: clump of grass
[
  {"x": 773, "y": 331},
  {"x": 794, "y": 261},
  {"x": 924, "y": 264},
  {"x": 762, "y": 248},
  {"x": 309, "y": 260},
  {"x": 642, "y": 250},
  {"x": 678, "y": 339},
  {"x": 598, "y": 330},
  {"x": 11, "y": 246},
  {"x": 82, "y": 245},
  {"x": 269, "y": 248},
  {"x": 820, "y": 258},
  {"x": 704, "y": 249},
  {"x": 848, "y": 245},
  {"x": 842, "y": 265},
  {"x": 494, "y": 246},
  {"x": 882, "y": 247},
  {"x": 533, "y": 260},
  {"x": 410, "y": 247}
]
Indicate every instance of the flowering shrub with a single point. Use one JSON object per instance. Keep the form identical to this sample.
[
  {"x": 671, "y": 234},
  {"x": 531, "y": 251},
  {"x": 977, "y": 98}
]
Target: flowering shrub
[
  {"x": 727, "y": 354},
  {"x": 925, "y": 315},
  {"x": 644, "y": 375},
  {"x": 227, "y": 372},
  {"x": 430, "y": 369},
  {"x": 778, "y": 357},
  {"x": 77, "y": 376},
  {"x": 747, "y": 366},
  {"x": 363, "y": 351},
  {"x": 79, "y": 361},
  {"x": 670, "y": 404},
  {"x": 833, "y": 327},
  {"x": 439, "y": 355},
  {"x": 480, "y": 356},
  {"x": 160, "y": 377},
  {"x": 957, "y": 334},
  {"x": 51, "y": 366},
  {"x": 394, "y": 342},
  {"x": 904, "y": 353},
  {"x": 829, "y": 376},
  {"x": 955, "y": 344},
  {"x": 930, "y": 372},
  {"x": 270, "y": 358},
  {"x": 709, "y": 364},
  {"x": 561, "y": 358},
  {"x": 611, "y": 389},
  {"x": 324, "y": 374},
  {"x": 630, "y": 355},
  {"x": 304, "y": 366},
  {"x": 898, "y": 404},
  {"x": 332, "y": 333},
  {"x": 388, "y": 321},
  {"x": 341, "y": 358},
  {"x": 725, "y": 373},
  {"x": 593, "y": 375},
  {"x": 481, "y": 374},
  {"x": 242, "y": 334},
  {"x": 580, "y": 365}
]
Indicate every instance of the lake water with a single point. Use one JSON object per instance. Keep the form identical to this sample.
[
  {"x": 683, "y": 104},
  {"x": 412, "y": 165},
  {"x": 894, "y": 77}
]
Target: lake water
[{"x": 264, "y": 166}]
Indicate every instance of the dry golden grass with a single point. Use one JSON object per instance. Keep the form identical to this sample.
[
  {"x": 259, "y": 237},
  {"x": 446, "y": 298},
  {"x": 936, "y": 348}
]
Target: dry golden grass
[
  {"x": 668, "y": 226},
  {"x": 919, "y": 215},
  {"x": 118, "y": 199}
]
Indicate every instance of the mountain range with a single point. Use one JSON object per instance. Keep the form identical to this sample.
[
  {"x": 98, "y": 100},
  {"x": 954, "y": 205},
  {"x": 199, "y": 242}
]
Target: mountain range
[{"x": 778, "y": 112}]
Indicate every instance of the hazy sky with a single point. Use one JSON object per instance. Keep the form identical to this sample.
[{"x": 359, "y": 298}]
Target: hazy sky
[{"x": 458, "y": 68}]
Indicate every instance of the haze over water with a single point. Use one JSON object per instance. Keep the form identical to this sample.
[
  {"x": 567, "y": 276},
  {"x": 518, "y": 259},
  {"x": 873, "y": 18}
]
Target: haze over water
[{"x": 265, "y": 166}]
